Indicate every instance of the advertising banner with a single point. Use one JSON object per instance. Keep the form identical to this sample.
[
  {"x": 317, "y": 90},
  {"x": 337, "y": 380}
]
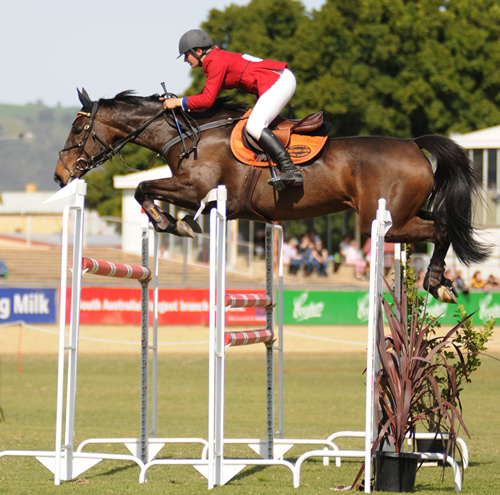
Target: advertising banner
[
  {"x": 351, "y": 308},
  {"x": 175, "y": 307},
  {"x": 28, "y": 305}
]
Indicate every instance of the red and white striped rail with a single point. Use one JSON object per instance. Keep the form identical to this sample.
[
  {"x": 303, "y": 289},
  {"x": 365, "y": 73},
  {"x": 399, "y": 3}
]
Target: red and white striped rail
[
  {"x": 249, "y": 337},
  {"x": 248, "y": 301},
  {"x": 116, "y": 270}
]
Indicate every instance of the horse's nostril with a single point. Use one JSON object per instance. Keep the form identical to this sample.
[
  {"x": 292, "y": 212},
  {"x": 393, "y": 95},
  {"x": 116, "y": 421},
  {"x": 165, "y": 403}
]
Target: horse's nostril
[{"x": 58, "y": 180}]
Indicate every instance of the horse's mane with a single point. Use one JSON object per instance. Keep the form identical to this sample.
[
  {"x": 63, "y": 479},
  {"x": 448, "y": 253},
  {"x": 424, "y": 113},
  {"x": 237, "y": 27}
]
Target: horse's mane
[{"x": 129, "y": 97}]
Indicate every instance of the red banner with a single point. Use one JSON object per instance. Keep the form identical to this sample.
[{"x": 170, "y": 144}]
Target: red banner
[{"x": 115, "y": 306}]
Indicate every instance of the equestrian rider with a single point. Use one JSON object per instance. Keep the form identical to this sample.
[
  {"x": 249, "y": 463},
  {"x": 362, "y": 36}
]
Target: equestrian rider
[{"x": 271, "y": 81}]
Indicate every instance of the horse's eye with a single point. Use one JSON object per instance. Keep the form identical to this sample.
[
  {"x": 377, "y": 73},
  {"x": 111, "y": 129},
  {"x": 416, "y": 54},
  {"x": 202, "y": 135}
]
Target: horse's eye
[{"x": 76, "y": 130}]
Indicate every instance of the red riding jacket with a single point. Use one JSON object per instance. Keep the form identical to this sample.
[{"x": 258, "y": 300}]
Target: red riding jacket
[{"x": 227, "y": 70}]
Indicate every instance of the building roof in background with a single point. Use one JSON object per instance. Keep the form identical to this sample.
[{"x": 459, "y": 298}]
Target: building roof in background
[{"x": 482, "y": 139}]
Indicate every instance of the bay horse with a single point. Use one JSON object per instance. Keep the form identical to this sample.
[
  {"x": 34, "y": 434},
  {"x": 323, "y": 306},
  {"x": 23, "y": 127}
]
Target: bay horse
[{"x": 351, "y": 172}]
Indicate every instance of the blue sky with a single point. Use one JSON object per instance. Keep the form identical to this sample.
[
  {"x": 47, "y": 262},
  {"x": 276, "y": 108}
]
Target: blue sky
[{"x": 49, "y": 48}]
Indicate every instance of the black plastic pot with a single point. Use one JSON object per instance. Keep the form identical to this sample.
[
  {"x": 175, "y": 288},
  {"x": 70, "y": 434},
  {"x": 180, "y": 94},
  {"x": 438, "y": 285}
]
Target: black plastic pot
[{"x": 396, "y": 472}]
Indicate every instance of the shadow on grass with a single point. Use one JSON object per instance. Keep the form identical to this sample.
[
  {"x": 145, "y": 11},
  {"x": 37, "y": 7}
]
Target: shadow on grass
[{"x": 116, "y": 470}]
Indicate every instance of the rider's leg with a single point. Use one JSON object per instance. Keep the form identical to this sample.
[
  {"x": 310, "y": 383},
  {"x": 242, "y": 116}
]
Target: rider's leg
[{"x": 267, "y": 108}]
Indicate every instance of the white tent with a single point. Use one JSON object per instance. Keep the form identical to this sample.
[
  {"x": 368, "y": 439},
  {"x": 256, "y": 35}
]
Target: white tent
[{"x": 483, "y": 139}]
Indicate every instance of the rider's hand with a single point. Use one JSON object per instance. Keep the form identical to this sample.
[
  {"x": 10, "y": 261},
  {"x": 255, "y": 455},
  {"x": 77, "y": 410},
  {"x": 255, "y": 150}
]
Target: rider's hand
[{"x": 170, "y": 103}]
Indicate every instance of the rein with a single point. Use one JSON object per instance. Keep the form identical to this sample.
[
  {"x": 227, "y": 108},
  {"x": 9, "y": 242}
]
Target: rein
[
  {"x": 204, "y": 127},
  {"x": 108, "y": 151}
]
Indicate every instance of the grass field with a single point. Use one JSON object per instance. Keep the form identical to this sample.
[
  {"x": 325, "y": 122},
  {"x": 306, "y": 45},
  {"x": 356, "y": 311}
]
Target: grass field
[{"x": 324, "y": 393}]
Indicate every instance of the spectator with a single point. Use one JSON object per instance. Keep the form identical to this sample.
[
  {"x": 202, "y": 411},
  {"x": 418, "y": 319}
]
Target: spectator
[
  {"x": 459, "y": 283},
  {"x": 420, "y": 279},
  {"x": 493, "y": 281},
  {"x": 306, "y": 244},
  {"x": 344, "y": 244},
  {"x": 318, "y": 259},
  {"x": 305, "y": 250},
  {"x": 291, "y": 257},
  {"x": 354, "y": 256},
  {"x": 478, "y": 282}
]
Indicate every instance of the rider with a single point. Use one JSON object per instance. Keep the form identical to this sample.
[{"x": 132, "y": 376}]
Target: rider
[{"x": 271, "y": 81}]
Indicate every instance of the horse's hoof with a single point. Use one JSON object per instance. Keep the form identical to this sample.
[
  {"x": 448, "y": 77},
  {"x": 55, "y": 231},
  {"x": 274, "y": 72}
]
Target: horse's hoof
[
  {"x": 446, "y": 295},
  {"x": 193, "y": 224},
  {"x": 183, "y": 229}
]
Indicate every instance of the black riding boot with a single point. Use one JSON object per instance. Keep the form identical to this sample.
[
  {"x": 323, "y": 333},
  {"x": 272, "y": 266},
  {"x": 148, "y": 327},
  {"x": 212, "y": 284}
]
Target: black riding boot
[{"x": 290, "y": 175}]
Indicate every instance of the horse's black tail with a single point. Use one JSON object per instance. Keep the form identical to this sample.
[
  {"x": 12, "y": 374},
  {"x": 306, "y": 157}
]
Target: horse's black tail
[{"x": 456, "y": 188}]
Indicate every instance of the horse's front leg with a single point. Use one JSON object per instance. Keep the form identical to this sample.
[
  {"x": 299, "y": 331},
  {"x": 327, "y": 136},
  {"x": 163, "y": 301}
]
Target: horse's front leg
[
  {"x": 435, "y": 282},
  {"x": 145, "y": 194}
]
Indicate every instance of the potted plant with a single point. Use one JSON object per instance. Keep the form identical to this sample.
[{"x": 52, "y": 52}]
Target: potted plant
[
  {"x": 464, "y": 351},
  {"x": 408, "y": 392}
]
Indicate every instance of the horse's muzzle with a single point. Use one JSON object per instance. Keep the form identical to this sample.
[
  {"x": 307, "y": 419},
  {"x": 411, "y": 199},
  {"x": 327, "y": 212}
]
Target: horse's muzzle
[{"x": 58, "y": 180}]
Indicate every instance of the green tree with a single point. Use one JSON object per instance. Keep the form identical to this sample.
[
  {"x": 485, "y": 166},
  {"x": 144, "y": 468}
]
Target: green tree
[
  {"x": 389, "y": 67},
  {"x": 401, "y": 68}
]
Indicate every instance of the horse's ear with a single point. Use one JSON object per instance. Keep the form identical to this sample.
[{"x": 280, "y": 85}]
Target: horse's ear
[{"x": 84, "y": 98}]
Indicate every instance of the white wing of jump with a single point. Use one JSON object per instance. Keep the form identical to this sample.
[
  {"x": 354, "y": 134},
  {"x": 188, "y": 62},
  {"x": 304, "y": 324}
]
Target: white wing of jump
[{"x": 76, "y": 186}]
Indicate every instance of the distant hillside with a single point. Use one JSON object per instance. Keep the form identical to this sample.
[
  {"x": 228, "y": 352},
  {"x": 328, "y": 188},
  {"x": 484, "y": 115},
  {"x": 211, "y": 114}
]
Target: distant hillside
[{"x": 32, "y": 161}]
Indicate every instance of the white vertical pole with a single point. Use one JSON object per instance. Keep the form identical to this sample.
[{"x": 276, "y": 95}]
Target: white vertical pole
[
  {"x": 216, "y": 338},
  {"x": 280, "y": 348},
  {"x": 144, "y": 432},
  {"x": 154, "y": 379},
  {"x": 79, "y": 205},
  {"x": 211, "y": 350},
  {"x": 379, "y": 229},
  {"x": 219, "y": 344},
  {"x": 397, "y": 270},
  {"x": 62, "y": 341},
  {"x": 269, "y": 248}
]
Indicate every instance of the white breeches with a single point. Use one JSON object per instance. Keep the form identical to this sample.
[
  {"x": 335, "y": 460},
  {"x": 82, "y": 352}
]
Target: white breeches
[{"x": 270, "y": 104}]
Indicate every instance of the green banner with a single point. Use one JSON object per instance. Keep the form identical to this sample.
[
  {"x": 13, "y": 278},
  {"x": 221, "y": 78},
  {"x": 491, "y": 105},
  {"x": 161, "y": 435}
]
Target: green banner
[{"x": 351, "y": 307}]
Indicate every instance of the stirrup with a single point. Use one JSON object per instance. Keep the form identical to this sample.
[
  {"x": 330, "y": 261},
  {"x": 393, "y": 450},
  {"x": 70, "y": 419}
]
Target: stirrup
[
  {"x": 291, "y": 176},
  {"x": 286, "y": 179}
]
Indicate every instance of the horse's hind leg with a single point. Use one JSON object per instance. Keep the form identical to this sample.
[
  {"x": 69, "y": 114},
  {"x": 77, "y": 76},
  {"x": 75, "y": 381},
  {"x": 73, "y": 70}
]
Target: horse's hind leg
[
  {"x": 435, "y": 282},
  {"x": 421, "y": 228}
]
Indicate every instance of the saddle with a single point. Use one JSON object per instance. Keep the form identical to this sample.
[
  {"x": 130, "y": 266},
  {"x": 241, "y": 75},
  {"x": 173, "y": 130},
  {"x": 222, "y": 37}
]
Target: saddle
[{"x": 303, "y": 139}]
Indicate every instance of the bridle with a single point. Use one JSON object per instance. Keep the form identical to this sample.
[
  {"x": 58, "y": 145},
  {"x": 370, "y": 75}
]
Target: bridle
[{"x": 89, "y": 162}]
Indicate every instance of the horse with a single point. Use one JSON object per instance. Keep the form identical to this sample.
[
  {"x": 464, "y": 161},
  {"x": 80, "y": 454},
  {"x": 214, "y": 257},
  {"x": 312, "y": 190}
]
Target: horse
[{"x": 348, "y": 173}]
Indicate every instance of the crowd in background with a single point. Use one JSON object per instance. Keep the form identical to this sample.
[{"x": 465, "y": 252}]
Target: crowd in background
[
  {"x": 309, "y": 254},
  {"x": 476, "y": 282}
]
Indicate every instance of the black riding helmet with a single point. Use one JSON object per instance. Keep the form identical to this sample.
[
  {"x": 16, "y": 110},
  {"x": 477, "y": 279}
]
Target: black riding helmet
[{"x": 195, "y": 38}]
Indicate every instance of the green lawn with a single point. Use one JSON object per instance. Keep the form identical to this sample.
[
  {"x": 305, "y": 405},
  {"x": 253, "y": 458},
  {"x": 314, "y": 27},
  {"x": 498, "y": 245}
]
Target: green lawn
[{"x": 324, "y": 393}]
